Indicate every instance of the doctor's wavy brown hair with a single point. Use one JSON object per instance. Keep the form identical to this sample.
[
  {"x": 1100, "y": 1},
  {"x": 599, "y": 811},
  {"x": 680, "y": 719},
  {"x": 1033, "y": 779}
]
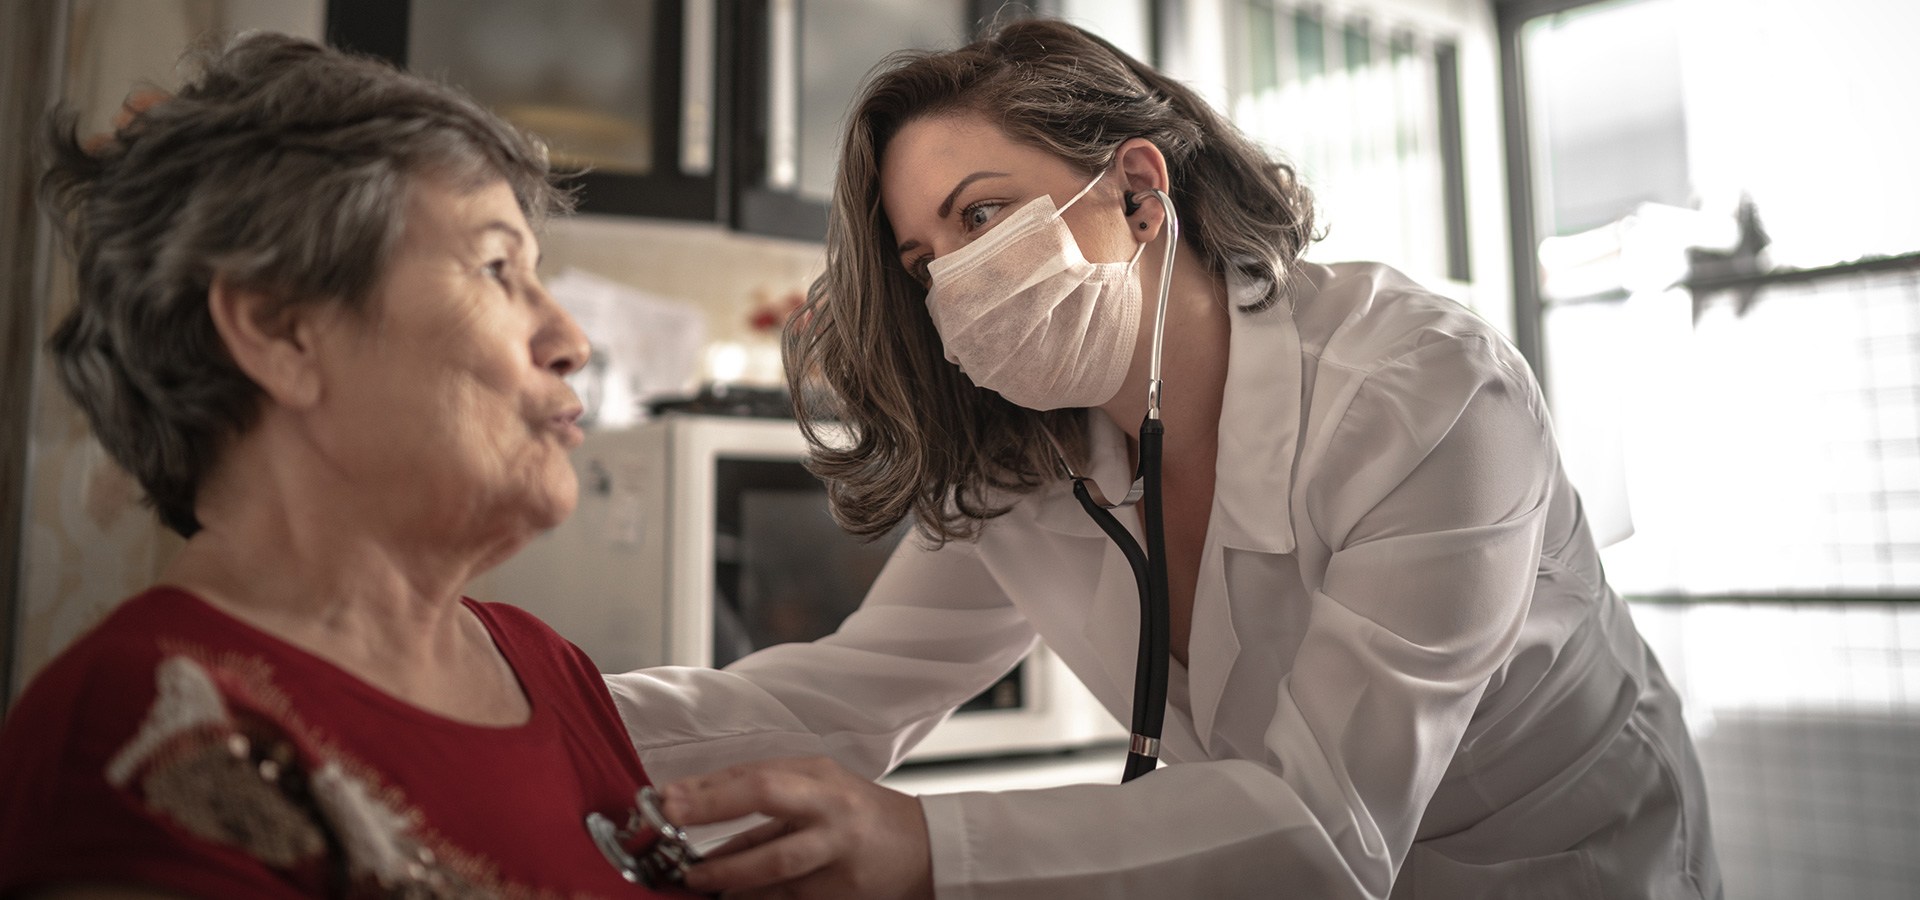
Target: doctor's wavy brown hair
[{"x": 923, "y": 441}]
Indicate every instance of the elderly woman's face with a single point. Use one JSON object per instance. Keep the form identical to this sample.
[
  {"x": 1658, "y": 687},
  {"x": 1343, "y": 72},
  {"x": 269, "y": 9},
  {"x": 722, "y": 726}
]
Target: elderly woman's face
[{"x": 451, "y": 402}]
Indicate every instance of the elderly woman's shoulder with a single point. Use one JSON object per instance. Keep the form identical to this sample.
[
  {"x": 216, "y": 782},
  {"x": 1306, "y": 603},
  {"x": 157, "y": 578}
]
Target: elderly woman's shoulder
[
  {"x": 530, "y": 642},
  {"x": 121, "y": 649},
  {"x": 507, "y": 622},
  {"x": 107, "y": 680},
  {"x": 147, "y": 753}
]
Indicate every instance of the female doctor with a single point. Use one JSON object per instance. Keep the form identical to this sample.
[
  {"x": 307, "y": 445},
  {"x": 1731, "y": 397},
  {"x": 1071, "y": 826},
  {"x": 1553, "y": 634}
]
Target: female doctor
[{"x": 1397, "y": 669}]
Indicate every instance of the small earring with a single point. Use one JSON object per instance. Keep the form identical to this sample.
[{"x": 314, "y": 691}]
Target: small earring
[{"x": 1143, "y": 226}]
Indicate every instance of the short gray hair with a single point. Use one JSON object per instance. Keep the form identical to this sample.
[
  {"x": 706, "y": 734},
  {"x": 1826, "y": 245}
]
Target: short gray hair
[{"x": 283, "y": 167}]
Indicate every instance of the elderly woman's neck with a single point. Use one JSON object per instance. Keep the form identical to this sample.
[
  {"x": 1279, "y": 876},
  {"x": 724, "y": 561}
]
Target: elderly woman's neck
[
  {"x": 406, "y": 635},
  {"x": 279, "y": 507},
  {"x": 280, "y": 568},
  {"x": 313, "y": 572}
]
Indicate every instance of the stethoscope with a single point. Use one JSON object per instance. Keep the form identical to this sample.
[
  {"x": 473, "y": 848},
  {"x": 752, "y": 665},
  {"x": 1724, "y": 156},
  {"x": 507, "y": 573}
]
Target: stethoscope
[
  {"x": 1149, "y": 565},
  {"x": 667, "y": 852},
  {"x": 646, "y": 848}
]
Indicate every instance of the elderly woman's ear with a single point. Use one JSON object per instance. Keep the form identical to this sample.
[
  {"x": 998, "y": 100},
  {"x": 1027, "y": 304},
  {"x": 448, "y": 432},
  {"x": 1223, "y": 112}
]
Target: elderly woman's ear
[{"x": 274, "y": 342}]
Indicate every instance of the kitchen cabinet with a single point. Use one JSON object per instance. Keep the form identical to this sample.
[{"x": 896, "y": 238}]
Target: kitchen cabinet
[
  {"x": 628, "y": 94},
  {"x": 1367, "y": 107},
  {"x": 801, "y": 64},
  {"x": 721, "y": 111}
]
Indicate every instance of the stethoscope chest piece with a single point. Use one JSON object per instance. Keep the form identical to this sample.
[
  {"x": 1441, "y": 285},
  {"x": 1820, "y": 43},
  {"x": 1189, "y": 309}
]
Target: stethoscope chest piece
[{"x": 661, "y": 864}]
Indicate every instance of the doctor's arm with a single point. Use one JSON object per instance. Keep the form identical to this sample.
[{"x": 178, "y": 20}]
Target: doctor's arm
[
  {"x": 933, "y": 632},
  {"x": 1431, "y": 496}
]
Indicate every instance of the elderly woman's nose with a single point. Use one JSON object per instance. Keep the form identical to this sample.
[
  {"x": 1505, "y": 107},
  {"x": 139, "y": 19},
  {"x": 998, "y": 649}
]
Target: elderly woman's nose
[
  {"x": 571, "y": 348},
  {"x": 561, "y": 347}
]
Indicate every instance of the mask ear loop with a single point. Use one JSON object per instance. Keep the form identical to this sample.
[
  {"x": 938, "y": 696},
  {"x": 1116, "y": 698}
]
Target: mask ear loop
[{"x": 1083, "y": 192}]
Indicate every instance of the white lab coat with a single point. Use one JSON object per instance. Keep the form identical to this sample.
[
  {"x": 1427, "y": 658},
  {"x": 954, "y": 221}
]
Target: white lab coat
[{"x": 1408, "y": 676}]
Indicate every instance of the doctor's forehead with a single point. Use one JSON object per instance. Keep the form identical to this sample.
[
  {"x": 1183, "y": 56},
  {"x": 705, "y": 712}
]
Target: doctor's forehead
[{"x": 930, "y": 155}]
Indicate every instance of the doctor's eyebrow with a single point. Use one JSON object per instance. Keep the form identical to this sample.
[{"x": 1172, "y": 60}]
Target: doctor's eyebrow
[{"x": 946, "y": 206}]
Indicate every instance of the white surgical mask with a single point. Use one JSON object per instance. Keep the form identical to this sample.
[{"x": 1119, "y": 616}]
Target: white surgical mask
[{"x": 1024, "y": 313}]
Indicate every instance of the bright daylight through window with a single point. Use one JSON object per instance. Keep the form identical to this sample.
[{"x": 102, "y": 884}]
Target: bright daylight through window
[{"x": 1731, "y": 309}]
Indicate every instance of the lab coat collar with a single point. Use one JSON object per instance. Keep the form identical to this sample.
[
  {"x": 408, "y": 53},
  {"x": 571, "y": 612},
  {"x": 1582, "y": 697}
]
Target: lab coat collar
[
  {"x": 1253, "y": 479},
  {"x": 1260, "y": 420},
  {"x": 1056, "y": 509}
]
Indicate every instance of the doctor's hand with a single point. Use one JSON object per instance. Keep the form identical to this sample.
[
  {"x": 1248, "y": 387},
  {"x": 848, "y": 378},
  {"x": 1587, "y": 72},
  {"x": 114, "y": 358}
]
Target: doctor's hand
[{"x": 833, "y": 834}]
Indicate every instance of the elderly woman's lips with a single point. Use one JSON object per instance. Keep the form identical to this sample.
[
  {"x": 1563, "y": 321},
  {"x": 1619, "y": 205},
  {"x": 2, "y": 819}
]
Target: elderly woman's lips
[{"x": 563, "y": 424}]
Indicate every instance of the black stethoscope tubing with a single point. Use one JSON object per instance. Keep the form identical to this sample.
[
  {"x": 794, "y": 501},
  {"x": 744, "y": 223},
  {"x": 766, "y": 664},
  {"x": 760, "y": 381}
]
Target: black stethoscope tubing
[{"x": 1150, "y": 580}]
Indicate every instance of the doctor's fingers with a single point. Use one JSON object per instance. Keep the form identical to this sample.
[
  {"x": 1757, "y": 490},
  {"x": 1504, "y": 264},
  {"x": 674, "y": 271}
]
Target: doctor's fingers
[
  {"x": 787, "y": 789},
  {"x": 137, "y": 102},
  {"x": 843, "y": 836},
  {"x": 749, "y": 839},
  {"x": 766, "y": 869},
  {"x": 812, "y": 865}
]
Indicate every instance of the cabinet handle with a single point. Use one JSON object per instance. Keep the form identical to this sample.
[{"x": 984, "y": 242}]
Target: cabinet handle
[
  {"x": 783, "y": 94},
  {"x": 696, "y": 88}
]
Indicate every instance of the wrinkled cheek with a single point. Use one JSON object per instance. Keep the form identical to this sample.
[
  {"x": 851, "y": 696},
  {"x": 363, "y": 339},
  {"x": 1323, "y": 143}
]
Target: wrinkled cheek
[
  {"x": 477, "y": 446},
  {"x": 542, "y": 471}
]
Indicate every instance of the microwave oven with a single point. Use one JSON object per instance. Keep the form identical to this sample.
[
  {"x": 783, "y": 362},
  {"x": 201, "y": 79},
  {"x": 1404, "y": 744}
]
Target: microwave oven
[{"x": 698, "y": 539}]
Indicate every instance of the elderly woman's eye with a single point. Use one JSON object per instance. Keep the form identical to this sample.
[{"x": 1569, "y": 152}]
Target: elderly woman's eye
[{"x": 497, "y": 270}]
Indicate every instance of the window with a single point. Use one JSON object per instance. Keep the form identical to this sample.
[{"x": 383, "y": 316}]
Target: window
[
  {"x": 1715, "y": 236},
  {"x": 1368, "y": 113}
]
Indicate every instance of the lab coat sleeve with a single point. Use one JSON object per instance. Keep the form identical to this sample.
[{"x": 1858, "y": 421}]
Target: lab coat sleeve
[
  {"x": 933, "y": 632},
  {"x": 1429, "y": 493}
]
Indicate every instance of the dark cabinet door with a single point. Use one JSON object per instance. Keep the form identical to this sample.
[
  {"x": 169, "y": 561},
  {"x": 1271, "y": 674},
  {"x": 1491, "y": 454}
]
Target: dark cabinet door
[
  {"x": 712, "y": 110},
  {"x": 629, "y": 95},
  {"x": 801, "y": 64}
]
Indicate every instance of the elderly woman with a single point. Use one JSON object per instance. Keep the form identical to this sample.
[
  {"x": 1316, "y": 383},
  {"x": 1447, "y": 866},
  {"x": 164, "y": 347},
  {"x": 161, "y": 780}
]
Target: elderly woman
[{"x": 309, "y": 324}]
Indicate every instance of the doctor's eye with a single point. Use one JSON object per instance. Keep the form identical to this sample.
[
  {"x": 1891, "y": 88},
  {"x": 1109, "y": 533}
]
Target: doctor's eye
[
  {"x": 979, "y": 215},
  {"x": 917, "y": 270}
]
